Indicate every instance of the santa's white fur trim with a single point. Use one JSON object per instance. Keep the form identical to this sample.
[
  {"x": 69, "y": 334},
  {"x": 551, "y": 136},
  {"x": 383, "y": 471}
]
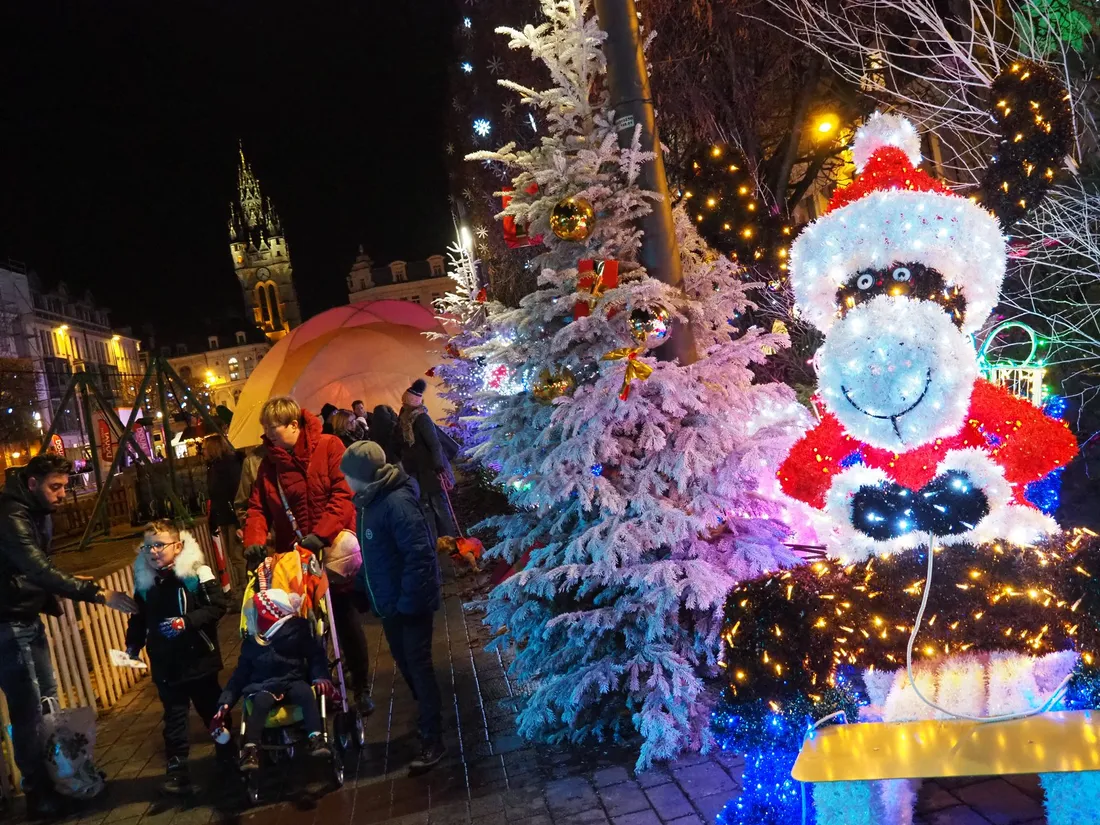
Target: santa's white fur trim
[
  {"x": 957, "y": 238},
  {"x": 972, "y": 684},
  {"x": 895, "y": 356},
  {"x": 190, "y": 566},
  {"x": 885, "y": 130},
  {"x": 1006, "y": 521}
]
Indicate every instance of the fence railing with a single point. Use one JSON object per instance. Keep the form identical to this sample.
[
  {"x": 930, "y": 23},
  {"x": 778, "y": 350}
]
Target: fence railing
[{"x": 80, "y": 641}]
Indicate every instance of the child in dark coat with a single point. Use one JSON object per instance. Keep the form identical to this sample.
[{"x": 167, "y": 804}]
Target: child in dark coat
[
  {"x": 179, "y": 605},
  {"x": 278, "y": 663},
  {"x": 402, "y": 576}
]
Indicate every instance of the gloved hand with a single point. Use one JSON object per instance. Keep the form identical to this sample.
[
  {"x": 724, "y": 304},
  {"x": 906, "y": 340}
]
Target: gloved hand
[
  {"x": 170, "y": 628},
  {"x": 133, "y": 652},
  {"x": 221, "y": 719},
  {"x": 326, "y": 688},
  {"x": 312, "y": 543},
  {"x": 254, "y": 556}
]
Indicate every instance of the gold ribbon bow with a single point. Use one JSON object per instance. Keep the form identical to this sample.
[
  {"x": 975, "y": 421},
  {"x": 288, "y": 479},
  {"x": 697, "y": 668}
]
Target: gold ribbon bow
[{"x": 634, "y": 367}]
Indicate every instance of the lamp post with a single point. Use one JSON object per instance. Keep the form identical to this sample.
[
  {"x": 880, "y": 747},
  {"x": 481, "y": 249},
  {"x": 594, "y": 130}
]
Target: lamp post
[{"x": 628, "y": 84}]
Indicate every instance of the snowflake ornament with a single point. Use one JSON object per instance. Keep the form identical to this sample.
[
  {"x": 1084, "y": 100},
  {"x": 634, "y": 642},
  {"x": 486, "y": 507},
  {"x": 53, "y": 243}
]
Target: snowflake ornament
[
  {"x": 495, "y": 65},
  {"x": 482, "y": 232},
  {"x": 508, "y": 108},
  {"x": 468, "y": 195},
  {"x": 450, "y": 148},
  {"x": 482, "y": 127},
  {"x": 456, "y": 104}
]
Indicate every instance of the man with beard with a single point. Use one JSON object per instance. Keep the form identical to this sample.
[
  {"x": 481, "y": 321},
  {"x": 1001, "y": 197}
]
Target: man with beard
[{"x": 31, "y": 585}]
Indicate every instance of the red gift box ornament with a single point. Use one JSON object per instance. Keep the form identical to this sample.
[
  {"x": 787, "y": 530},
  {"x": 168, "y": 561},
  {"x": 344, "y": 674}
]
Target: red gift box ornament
[
  {"x": 515, "y": 233},
  {"x": 595, "y": 277}
]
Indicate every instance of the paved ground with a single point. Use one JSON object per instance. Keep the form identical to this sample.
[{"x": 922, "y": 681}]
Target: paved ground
[{"x": 490, "y": 776}]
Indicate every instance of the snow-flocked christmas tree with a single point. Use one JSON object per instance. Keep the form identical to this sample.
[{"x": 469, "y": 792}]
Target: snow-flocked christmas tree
[{"x": 635, "y": 480}]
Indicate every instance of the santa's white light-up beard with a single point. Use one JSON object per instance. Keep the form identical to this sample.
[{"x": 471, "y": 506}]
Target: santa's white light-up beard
[{"x": 897, "y": 373}]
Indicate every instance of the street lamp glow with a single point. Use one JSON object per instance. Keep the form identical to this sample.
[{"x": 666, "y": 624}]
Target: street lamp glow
[
  {"x": 63, "y": 328},
  {"x": 116, "y": 338},
  {"x": 826, "y": 124},
  {"x": 466, "y": 238}
]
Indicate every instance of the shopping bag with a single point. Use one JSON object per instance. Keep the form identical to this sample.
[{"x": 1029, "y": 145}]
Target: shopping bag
[{"x": 70, "y": 742}]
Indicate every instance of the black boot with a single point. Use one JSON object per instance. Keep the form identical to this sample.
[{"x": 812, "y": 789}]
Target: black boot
[
  {"x": 316, "y": 747},
  {"x": 250, "y": 758},
  {"x": 177, "y": 780},
  {"x": 363, "y": 703},
  {"x": 431, "y": 751},
  {"x": 44, "y": 805}
]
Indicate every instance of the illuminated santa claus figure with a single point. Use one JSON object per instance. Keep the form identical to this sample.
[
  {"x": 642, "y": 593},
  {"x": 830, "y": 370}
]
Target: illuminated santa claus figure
[{"x": 898, "y": 274}]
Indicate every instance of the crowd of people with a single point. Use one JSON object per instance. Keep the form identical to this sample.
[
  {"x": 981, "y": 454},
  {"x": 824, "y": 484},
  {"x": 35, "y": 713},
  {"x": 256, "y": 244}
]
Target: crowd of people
[{"x": 321, "y": 487}]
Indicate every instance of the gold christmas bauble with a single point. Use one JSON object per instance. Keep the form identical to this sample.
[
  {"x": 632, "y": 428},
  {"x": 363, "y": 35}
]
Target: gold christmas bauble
[
  {"x": 572, "y": 219},
  {"x": 551, "y": 385},
  {"x": 649, "y": 326}
]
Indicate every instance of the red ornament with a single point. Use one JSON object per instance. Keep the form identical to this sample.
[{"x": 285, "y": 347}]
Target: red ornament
[
  {"x": 482, "y": 295},
  {"x": 515, "y": 234},
  {"x": 595, "y": 277}
]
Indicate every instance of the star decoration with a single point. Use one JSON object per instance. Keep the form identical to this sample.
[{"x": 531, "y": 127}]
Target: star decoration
[
  {"x": 481, "y": 232},
  {"x": 508, "y": 108},
  {"x": 450, "y": 148},
  {"x": 451, "y": 197},
  {"x": 468, "y": 195},
  {"x": 495, "y": 65}
]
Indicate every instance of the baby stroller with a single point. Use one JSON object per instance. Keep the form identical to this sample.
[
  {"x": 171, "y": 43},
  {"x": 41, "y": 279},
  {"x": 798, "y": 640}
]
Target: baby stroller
[{"x": 284, "y": 736}]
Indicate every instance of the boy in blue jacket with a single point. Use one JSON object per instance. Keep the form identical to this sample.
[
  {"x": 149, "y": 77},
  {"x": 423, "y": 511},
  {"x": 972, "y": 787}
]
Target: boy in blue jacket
[
  {"x": 279, "y": 662},
  {"x": 402, "y": 577}
]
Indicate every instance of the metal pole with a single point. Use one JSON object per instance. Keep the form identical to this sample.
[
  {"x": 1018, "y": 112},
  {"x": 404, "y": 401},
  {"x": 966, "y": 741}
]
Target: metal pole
[
  {"x": 166, "y": 424},
  {"x": 628, "y": 85},
  {"x": 88, "y": 422}
]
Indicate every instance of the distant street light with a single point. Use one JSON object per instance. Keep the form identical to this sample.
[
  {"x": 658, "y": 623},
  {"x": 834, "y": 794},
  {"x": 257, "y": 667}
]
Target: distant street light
[{"x": 826, "y": 125}]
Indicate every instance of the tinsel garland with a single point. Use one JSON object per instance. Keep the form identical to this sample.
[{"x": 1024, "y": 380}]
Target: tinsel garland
[{"x": 790, "y": 634}]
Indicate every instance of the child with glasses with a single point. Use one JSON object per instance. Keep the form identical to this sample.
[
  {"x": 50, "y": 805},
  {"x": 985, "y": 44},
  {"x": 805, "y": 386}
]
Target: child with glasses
[{"x": 179, "y": 605}]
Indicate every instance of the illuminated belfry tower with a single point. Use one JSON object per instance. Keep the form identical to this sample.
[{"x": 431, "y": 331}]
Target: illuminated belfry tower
[{"x": 261, "y": 257}]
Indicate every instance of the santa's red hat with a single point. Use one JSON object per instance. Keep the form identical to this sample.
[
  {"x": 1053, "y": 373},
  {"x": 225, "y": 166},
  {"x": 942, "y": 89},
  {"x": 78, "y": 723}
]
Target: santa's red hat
[{"x": 896, "y": 213}]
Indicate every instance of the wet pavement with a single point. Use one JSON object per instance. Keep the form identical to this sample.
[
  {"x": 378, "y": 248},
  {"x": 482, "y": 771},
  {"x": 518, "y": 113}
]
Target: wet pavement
[{"x": 490, "y": 775}]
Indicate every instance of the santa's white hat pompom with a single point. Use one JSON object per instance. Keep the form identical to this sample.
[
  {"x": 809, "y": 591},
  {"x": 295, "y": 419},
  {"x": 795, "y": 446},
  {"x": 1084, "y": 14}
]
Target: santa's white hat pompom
[{"x": 885, "y": 130}]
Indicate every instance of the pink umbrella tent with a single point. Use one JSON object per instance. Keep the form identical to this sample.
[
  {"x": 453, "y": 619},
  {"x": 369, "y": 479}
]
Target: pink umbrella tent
[{"x": 370, "y": 350}]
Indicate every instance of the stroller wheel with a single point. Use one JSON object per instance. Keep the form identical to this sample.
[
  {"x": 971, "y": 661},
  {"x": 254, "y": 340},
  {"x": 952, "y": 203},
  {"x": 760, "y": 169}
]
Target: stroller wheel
[
  {"x": 288, "y": 754},
  {"x": 360, "y": 731},
  {"x": 340, "y": 736},
  {"x": 337, "y": 769},
  {"x": 252, "y": 784}
]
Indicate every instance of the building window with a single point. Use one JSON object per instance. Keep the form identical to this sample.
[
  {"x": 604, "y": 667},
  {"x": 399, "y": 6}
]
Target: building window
[
  {"x": 276, "y": 310},
  {"x": 212, "y": 341},
  {"x": 261, "y": 302},
  {"x": 436, "y": 263},
  {"x": 240, "y": 337},
  {"x": 181, "y": 349},
  {"x": 234, "y": 369},
  {"x": 399, "y": 272}
]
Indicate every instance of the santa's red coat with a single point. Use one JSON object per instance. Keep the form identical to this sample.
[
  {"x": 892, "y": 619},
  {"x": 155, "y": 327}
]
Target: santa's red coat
[
  {"x": 1016, "y": 434},
  {"x": 315, "y": 489}
]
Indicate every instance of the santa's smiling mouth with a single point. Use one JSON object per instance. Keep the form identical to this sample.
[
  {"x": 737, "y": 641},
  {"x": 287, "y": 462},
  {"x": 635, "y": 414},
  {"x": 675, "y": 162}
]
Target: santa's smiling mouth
[{"x": 893, "y": 417}]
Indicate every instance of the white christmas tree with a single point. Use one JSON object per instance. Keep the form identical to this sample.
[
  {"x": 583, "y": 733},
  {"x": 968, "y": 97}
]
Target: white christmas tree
[{"x": 635, "y": 480}]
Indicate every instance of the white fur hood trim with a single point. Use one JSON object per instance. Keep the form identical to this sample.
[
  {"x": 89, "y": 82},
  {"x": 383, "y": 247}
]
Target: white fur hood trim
[{"x": 189, "y": 566}]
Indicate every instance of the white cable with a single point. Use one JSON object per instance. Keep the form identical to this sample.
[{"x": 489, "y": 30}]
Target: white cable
[{"x": 1054, "y": 697}]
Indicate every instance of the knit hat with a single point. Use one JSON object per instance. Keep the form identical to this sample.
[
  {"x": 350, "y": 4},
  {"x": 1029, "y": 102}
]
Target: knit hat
[
  {"x": 327, "y": 410},
  {"x": 414, "y": 395},
  {"x": 273, "y": 608},
  {"x": 362, "y": 460},
  {"x": 896, "y": 213}
]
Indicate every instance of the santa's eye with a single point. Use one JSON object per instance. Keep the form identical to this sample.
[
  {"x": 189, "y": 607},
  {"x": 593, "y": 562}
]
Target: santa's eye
[
  {"x": 865, "y": 281},
  {"x": 902, "y": 274}
]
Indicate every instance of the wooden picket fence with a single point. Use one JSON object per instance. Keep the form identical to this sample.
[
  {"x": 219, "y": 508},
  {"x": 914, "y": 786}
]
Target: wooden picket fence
[{"x": 80, "y": 641}]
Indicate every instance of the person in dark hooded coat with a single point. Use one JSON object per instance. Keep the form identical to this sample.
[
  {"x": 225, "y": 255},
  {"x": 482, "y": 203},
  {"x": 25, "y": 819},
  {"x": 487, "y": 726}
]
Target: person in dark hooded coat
[
  {"x": 402, "y": 577},
  {"x": 425, "y": 455}
]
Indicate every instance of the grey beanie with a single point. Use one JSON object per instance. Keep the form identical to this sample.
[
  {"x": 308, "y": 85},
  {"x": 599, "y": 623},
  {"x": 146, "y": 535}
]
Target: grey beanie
[{"x": 362, "y": 460}]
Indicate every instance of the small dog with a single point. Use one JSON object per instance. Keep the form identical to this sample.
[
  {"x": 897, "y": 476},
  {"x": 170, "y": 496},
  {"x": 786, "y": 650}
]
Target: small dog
[{"x": 461, "y": 551}]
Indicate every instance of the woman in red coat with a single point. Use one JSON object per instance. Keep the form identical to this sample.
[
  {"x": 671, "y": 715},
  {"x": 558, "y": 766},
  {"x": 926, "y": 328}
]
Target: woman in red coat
[{"x": 305, "y": 463}]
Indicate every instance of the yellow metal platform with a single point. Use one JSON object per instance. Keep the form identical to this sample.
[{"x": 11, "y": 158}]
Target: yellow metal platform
[{"x": 1048, "y": 743}]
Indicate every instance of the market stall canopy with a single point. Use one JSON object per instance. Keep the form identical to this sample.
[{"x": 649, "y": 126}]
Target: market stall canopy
[{"x": 372, "y": 350}]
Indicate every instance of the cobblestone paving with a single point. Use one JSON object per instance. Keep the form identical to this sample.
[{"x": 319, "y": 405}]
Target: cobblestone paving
[{"x": 490, "y": 776}]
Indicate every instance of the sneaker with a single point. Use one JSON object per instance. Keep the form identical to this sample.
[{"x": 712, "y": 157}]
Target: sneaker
[
  {"x": 316, "y": 747},
  {"x": 250, "y": 758},
  {"x": 430, "y": 753},
  {"x": 178, "y": 777},
  {"x": 44, "y": 806},
  {"x": 363, "y": 703}
]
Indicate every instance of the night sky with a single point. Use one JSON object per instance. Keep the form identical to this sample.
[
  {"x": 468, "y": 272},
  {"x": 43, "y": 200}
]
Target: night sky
[{"x": 119, "y": 124}]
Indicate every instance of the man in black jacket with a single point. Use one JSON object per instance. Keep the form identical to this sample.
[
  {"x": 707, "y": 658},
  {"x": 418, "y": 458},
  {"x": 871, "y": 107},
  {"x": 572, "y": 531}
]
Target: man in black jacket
[{"x": 30, "y": 585}]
